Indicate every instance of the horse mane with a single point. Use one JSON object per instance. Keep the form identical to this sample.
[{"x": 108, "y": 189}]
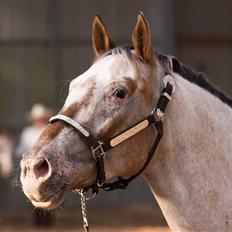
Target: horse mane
[{"x": 197, "y": 78}]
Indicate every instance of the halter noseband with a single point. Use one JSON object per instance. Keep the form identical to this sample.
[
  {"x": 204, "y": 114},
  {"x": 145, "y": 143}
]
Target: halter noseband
[{"x": 99, "y": 148}]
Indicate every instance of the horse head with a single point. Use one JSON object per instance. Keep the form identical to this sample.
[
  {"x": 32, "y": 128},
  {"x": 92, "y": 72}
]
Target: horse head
[{"x": 121, "y": 87}]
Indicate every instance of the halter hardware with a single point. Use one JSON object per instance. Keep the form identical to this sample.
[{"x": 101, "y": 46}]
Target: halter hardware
[
  {"x": 167, "y": 96},
  {"x": 158, "y": 115},
  {"x": 98, "y": 151}
]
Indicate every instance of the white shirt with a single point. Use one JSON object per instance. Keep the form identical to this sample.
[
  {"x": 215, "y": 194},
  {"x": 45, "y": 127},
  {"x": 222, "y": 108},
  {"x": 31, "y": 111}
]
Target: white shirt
[
  {"x": 27, "y": 139},
  {"x": 6, "y": 148}
]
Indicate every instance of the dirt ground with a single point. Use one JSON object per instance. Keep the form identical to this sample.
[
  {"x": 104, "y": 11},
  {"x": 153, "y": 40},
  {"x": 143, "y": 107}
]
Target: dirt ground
[
  {"x": 92, "y": 229},
  {"x": 137, "y": 218}
]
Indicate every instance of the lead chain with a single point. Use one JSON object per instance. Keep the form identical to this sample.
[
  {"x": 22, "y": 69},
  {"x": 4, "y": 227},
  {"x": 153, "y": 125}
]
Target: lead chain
[{"x": 84, "y": 210}]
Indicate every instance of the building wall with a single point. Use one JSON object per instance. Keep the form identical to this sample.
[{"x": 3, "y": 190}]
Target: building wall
[
  {"x": 46, "y": 43},
  {"x": 204, "y": 38}
]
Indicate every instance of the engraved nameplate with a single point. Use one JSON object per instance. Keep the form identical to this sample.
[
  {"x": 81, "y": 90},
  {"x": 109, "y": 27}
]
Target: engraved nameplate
[{"x": 129, "y": 133}]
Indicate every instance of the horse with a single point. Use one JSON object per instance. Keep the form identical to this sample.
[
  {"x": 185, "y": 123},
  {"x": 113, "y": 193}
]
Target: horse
[{"x": 190, "y": 171}]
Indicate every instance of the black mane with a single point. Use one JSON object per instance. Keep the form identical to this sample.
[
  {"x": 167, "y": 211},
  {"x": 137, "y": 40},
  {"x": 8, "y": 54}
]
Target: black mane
[
  {"x": 197, "y": 78},
  {"x": 183, "y": 70}
]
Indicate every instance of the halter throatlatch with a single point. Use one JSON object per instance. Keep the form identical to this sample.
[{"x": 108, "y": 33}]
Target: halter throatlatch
[{"x": 99, "y": 148}]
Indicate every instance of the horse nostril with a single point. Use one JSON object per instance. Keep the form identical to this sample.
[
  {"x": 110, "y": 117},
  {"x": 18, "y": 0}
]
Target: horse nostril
[{"x": 41, "y": 168}]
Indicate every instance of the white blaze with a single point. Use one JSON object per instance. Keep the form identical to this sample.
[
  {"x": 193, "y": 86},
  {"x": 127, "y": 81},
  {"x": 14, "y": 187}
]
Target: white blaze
[{"x": 105, "y": 71}]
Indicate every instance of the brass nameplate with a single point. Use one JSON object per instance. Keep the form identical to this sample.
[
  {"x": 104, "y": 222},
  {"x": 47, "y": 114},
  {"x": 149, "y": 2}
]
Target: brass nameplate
[{"x": 129, "y": 133}]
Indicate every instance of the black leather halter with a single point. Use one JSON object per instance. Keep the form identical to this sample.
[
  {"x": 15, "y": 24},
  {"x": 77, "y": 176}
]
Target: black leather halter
[{"x": 99, "y": 148}]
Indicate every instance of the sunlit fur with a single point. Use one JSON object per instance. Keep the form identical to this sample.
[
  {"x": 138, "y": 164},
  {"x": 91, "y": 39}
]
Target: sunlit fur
[{"x": 190, "y": 174}]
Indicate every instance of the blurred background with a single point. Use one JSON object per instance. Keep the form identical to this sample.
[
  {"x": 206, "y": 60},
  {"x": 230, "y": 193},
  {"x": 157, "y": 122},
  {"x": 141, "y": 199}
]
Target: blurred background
[{"x": 46, "y": 43}]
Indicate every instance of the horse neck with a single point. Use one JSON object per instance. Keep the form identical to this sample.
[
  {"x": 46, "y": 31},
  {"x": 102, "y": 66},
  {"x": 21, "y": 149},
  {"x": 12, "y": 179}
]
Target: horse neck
[{"x": 194, "y": 147}]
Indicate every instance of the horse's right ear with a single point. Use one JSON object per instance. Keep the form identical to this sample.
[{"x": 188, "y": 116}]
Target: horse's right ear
[
  {"x": 141, "y": 39},
  {"x": 100, "y": 37}
]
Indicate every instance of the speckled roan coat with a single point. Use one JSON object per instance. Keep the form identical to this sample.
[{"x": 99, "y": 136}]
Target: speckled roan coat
[{"x": 191, "y": 172}]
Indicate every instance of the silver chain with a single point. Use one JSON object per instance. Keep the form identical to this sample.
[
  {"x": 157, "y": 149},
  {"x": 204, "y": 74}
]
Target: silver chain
[
  {"x": 84, "y": 198},
  {"x": 84, "y": 209}
]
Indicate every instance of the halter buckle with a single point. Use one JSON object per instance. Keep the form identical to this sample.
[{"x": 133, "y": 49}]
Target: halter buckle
[
  {"x": 158, "y": 114},
  {"x": 98, "y": 151}
]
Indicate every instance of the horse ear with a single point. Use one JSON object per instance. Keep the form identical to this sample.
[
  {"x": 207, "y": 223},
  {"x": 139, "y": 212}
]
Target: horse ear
[
  {"x": 100, "y": 37},
  {"x": 141, "y": 39}
]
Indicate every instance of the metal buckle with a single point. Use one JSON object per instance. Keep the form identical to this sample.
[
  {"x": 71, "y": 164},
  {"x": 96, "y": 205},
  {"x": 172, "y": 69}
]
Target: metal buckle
[
  {"x": 99, "y": 148},
  {"x": 158, "y": 114},
  {"x": 165, "y": 94}
]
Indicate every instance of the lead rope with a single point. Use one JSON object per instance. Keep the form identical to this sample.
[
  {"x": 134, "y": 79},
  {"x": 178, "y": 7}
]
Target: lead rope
[
  {"x": 83, "y": 193},
  {"x": 84, "y": 199}
]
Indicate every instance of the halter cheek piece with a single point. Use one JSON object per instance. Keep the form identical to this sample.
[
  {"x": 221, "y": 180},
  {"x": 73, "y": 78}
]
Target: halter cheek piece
[{"x": 100, "y": 148}]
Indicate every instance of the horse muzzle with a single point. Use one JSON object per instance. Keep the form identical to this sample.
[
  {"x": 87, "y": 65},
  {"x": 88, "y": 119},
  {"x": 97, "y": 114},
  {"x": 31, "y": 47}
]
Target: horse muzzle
[{"x": 37, "y": 178}]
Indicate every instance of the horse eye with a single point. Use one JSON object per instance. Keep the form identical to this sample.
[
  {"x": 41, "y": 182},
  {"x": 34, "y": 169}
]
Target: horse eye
[{"x": 120, "y": 93}]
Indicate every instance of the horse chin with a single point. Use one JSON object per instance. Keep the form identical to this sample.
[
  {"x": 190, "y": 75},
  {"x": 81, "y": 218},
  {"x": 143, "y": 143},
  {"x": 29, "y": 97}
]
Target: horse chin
[{"x": 51, "y": 203}]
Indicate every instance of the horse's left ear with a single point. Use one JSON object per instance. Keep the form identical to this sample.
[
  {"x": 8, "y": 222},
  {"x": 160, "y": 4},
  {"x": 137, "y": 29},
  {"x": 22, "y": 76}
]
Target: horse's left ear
[
  {"x": 141, "y": 39},
  {"x": 100, "y": 37}
]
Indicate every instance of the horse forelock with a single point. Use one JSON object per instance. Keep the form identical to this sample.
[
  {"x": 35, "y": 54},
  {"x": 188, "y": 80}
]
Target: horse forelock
[{"x": 127, "y": 52}]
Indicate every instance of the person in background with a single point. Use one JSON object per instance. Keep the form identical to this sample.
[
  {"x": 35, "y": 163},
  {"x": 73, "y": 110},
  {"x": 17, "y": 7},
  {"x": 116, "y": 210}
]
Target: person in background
[
  {"x": 38, "y": 117},
  {"x": 6, "y": 150},
  {"x": 6, "y": 168}
]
